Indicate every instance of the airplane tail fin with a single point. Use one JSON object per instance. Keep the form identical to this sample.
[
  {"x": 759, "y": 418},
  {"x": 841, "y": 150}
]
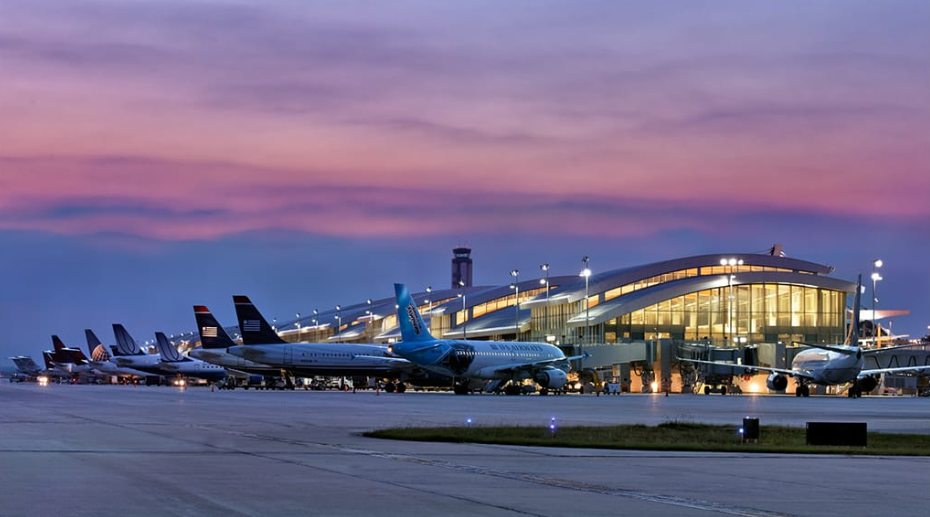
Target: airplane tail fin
[
  {"x": 853, "y": 335},
  {"x": 253, "y": 326},
  {"x": 75, "y": 355},
  {"x": 169, "y": 353},
  {"x": 126, "y": 344},
  {"x": 412, "y": 326},
  {"x": 57, "y": 343},
  {"x": 212, "y": 334},
  {"x": 92, "y": 341},
  {"x": 100, "y": 353},
  {"x": 26, "y": 365},
  {"x": 49, "y": 359}
]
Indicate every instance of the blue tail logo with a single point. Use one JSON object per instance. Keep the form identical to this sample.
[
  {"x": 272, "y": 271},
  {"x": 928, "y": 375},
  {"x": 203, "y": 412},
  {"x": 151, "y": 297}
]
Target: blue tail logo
[
  {"x": 168, "y": 352},
  {"x": 412, "y": 327}
]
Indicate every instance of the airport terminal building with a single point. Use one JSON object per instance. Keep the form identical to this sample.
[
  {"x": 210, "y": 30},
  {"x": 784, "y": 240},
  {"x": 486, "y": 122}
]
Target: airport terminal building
[
  {"x": 724, "y": 300},
  {"x": 631, "y": 324}
]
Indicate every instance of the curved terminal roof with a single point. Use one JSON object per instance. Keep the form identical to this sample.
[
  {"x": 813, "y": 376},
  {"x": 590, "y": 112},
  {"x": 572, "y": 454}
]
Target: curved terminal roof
[{"x": 605, "y": 281}]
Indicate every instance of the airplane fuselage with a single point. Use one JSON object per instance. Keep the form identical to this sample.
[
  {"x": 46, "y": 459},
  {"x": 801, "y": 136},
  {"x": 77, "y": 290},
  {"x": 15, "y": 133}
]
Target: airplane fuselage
[
  {"x": 195, "y": 368},
  {"x": 477, "y": 359},
  {"x": 344, "y": 359},
  {"x": 110, "y": 368},
  {"x": 828, "y": 367},
  {"x": 220, "y": 357}
]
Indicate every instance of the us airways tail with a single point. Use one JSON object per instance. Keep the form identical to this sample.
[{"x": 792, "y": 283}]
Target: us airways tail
[
  {"x": 169, "y": 353},
  {"x": 412, "y": 327},
  {"x": 255, "y": 330},
  {"x": 212, "y": 334}
]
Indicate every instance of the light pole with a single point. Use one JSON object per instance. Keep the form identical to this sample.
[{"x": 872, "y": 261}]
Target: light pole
[
  {"x": 516, "y": 318},
  {"x": 338, "y": 322},
  {"x": 876, "y": 264},
  {"x": 586, "y": 273},
  {"x": 298, "y": 326},
  {"x": 464, "y": 314},
  {"x": 429, "y": 300},
  {"x": 545, "y": 281},
  {"x": 316, "y": 323},
  {"x": 371, "y": 319}
]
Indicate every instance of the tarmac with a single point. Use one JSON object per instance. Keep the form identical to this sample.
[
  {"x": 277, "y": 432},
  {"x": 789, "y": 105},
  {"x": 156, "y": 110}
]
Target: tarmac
[{"x": 133, "y": 450}]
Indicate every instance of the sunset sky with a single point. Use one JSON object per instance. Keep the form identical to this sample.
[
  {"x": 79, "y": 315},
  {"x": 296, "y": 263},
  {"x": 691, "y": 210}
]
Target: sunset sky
[{"x": 160, "y": 154}]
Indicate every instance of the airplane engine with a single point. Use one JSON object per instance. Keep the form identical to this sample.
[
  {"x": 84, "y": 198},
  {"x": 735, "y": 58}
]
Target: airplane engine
[
  {"x": 552, "y": 378},
  {"x": 776, "y": 382},
  {"x": 867, "y": 383}
]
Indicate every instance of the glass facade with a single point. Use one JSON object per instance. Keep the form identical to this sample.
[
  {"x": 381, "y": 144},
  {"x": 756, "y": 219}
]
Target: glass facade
[{"x": 753, "y": 313}]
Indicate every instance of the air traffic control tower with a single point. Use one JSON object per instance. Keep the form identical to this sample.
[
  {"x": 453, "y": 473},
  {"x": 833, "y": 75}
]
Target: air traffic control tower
[{"x": 461, "y": 267}]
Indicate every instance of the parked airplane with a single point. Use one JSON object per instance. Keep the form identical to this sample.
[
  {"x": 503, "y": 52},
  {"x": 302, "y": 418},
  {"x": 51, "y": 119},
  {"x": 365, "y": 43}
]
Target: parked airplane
[
  {"x": 172, "y": 360},
  {"x": 53, "y": 371},
  {"x": 26, "y": 369},
  {"x": 464, "y": 359},
  {"x": 102, "y": 361},
  {"x": 70, "y": 360},
  {"x": 214, "y": 343},
  {"x": 131, "y": 354},
  {"x": 826, "y": 365},
  {"x": 262, "y": 344}
]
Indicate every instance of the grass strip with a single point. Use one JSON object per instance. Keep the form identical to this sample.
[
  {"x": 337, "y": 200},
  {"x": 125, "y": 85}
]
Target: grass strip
[{"x": 669, "y": 436}]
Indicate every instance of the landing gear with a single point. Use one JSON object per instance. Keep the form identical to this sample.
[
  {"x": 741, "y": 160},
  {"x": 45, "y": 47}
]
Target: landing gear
[
  {"x": 803, "y": 391},
  {"x": 513, "y": 389},
  {"x": 460, "y": 388},
  {"x": 855, "y": 391}
]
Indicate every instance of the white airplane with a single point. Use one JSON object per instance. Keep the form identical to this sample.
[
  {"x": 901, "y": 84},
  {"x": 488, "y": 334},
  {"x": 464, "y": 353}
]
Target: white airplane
[
  {"x": 214, "y": 343},
  {"x": 465, "y": 360},
  {"x": 826, "y": 365},
  {"x": 130, "y": 354},
  {"x": 262, "y": 344},
  {"x": 27, "y": 369},
  {"x": 173, "y": 361}
]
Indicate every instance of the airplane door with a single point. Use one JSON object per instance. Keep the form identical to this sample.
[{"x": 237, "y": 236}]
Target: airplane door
[{"x": 288, "y": 355}]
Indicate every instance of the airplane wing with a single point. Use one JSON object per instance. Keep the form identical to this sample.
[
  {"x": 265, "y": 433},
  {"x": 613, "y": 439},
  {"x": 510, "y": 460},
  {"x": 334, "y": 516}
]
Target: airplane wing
[
  {"x": 899, "y": 369},
  {"x": 890, "y": 348},
  {"x": 395, "y": 360},
  {"x": 841, "y": 349},
  {"x": 517, "y": 367},
  {"x": 747, "y": 368}
]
